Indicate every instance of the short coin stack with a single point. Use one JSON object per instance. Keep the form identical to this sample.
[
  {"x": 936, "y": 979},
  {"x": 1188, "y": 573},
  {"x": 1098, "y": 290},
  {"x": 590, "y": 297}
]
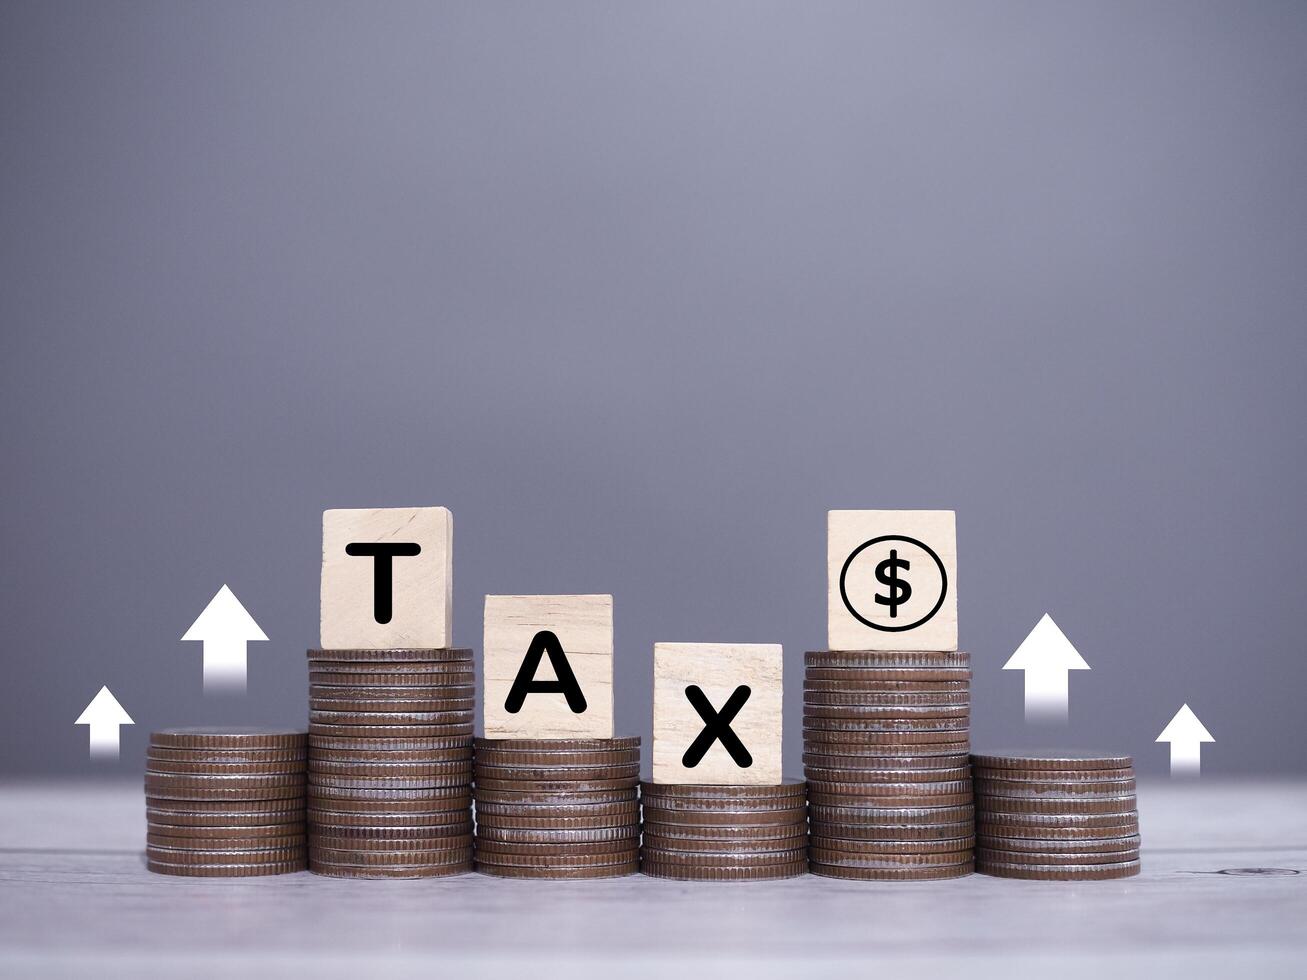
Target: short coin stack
[
  {"x": 225, "y": 802},
  {"x": 886, "y": 741},
  {"x": 724, "y": 833},
  {"x": 390, "y": 763},
  {"x": 1059, "y": 816},
  {"x": 557, "y": 808}
]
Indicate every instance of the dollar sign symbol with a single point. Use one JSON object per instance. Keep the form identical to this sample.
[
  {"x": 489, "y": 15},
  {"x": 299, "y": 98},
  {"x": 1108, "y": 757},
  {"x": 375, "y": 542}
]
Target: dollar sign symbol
[{"x": 887, "y": 573}]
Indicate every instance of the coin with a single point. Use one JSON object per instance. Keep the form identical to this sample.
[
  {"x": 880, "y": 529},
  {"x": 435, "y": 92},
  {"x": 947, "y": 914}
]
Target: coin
[
  {"x": 654, "y": 868},
  {"x": 735, "y": 818},
  {"x": 225, "y": 818},
  {"x": 175, "y": 855},
  {"x": 848, "y": 858},
  {"x": 388, "y": 782},
  {"x": 200, "y": 737},
  {"x": 873, "y": 764},
  {"x": 408, "y": 858},
  {"x": 955, "y": 728},
  {"x": 508, "y": 757},
  {"x": 1071, "y": 789},
  {"x": 847, "y": 685},
  {"x": 388, "y": 718},
  {"x": 1113, "y": 805},
  {"x": 822, "y": 798},
  {"x": 211, "y": 756},
  {"x": 891, "y": 874},
  {"x": 877, "y": 675},
  {"x": 444, "y": 869},
  {"x": 162, "y": 767},
  {"x": 871, "y": 712},
  {"x": 893, "y": 832},
  {"x": 755, "y": 804},
  {"x": 322, "y": 843},
  {"x": 755, "y": 833},
  {"x": 818, "y": 774},
  {"x": 225, "y": 870},
  {"x": 497, "y": 860},
  {"x": 223, "y": 832},
  {"x": 601, "y": 871},
  {"x": 937, "y": 845},
  {"x": 398, "y": 822},
  {"x": 909, "y": 816},
  {"x": 225, "y": 844},
  {"x": 625, "y": 774},
  {"x": 556, "y": 823},
  {"x": 1051, "y": 759},
  {"x": 942, "y": 741},
  {"x": 332, "y": 831},
  {"x": 201, "y": 794},
  {"x": 991, "y": 854},
  {"x": 572, "y": 798},
  {"x": 590, "y": 811},
  {"x": 319, "y": 792},
  {"x": 351, "y": 743},
  {"x": 553, "y": 785},
  {"x": 365, "y": 768},
  {"x": 392, "y": 757},
  {"x": 657, "y": 842},
  {"x": 391, "y": 656},
  {"x": 622, "y": 848},
  {"x": 629, "y": 831},
  {"x": 885, "y": 700},
  {"x": 408, "y": 706},
  {"x": 407, "y": 692},
  {"x": 1040, "y": 776},
  {"x": 389, "y": 731},
  {"x": 790, "y": 790},
  {"x": 393, "y": 675},
  {"x": 559, "y": 744},
  {"x": 450, "y": 798},
  {"x": 1058, "y": 872},
  {"x": 886, "y": 659}
]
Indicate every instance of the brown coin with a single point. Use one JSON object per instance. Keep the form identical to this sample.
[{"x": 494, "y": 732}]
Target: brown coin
[
  {"x": 160, "y": 767},
  {"x": 734, "y": 818},
  {"x": 1057, "y": 821},
  {"x": 389, "y": 718},
  {"x": 892, "y": 874},
  {"x": 452, "y": 798},
  {"x": 590, "y": 811},
  {"x": 1038, "y": 776},
  {"x": 508, "y": 757},
  {"x": 622, "y": 848},
  {"x": 571, "y": 798},
  {"x": 756, "y": 804},
  {"x": 389, "y": 782},
  {"x": 1124, "y": 842},
  {"x": 442, "y": 870},
  {"x": 1074, "y": 835},
  {"x": 285, "y": 795},
  {"x": 624, "y": 772},
  {"x": 907, "y": 816},
  {"x": 484, "y": 858},
  {"x": 225, "y": 870},
  {"x": 1002, "y": 804},
  {"x": 729, "y": 858},
  {"x": 818, "y": 774},
  {"x": 1070, "y": 789},
  {"x": 211, "y": 756},
  {"x": 874, "y": 764},
  {"x": 601, "y": 871},
  {"x": 891, "y": 832},
  {"x": 560, "y": 744},
  {"x": 823, "y": 798},
  {"x": 219, "y": 818},
  {"x": 883, "y": 701},
  {"x": 791, "y": 791},
  {"x": 405, "y": 692},
  {"x": 445, "y": 743},
  {"x": 322, "y": 843},
  {"x": 956, "y": 728},
  {"x": 861, "y": 675},
  {"x": 219, "y": 781},
  {"x": 1058, "y": 872},
  {"x": 228, "y": 737},
  {"x": 258, "y": 832},
  {"x": 658, "y": 842},
  {"x": 945, "y": 741},
  {"x": 225, "y": 844},
  {"x": 175, "y": 855},
  {"x": 392, "y": 757},
  {"x": 391, "y": 821},
  {"x": 555, "y": 823},
  {"x": 1050, "y": 759},
  {"x": 393, "y": 656},
  {"x": 882, "y": 659},
  {"x": 761, "y": 834},
  {"x": 995, "y": 855},
  {"x": 879, "y": 791},
  {"x": 392, "y": 675},
  {"x": 870, "y": 712},
  {"x": 407, "y": 770},
  {"x": 850, "y": 859},
  {"x": 943, "y": 845},
  {"x": 509, "y": 835},
  {"x": 846, "y": 685},
  {"x": 408, "y": 706},
  {"x": 330, "y": 794},
  {"x": 390, "y": 731},
  {"x": 395, "y": 835},
  {"x": 680, "y": 872},
  {"x": 553, "y": 785},
  {"x": 408, "y": 858}
]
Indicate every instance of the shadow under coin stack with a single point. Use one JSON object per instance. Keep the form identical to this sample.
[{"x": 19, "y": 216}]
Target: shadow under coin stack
[
  {"x": 1056, "y": 816},
  {"x": 225, "y": 802},
  {"x": 557, "y": 808},
  {"x": 390, "y": 763},
  {"x": 886, "y": 742},
  {"x": 724, "y": 833}
]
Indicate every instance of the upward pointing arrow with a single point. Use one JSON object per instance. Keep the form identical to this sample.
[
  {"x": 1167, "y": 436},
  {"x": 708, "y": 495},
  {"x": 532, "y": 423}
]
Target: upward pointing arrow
[
  {"x": 224, "y": 628},
  {"x": 102, "y": 717},
  {"x": 1186, "y": 735},
  {"x": 1047, "y": 656}
]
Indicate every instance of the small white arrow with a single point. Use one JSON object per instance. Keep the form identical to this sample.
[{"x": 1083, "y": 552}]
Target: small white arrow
[
  {"x": 1047, "y": 656},
  {"x": 1186, "y": 735},
  {"x": 224, "y": 628},
  {"x": 102, "y": 717}
]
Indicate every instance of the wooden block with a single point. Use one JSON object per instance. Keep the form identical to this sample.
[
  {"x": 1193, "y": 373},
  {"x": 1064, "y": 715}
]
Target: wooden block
[
  {"x": 892, "y": 580},
  {"x": 719, "y": 671},
  {"x": 355, "y": 614},
  {"x": 530, "y": 631}
]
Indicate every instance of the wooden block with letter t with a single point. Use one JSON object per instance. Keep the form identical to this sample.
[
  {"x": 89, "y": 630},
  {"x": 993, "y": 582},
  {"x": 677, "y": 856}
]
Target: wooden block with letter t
[
  {"x": 717, "y": 713},
  {"x": 387, "y": 578},
  {"x": 549, "y": 666},
  {"x": 892, "y": 580}
]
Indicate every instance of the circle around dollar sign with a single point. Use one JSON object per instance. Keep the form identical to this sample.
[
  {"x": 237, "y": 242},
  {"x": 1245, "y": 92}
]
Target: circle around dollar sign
[{"x": 943, "y": 580}]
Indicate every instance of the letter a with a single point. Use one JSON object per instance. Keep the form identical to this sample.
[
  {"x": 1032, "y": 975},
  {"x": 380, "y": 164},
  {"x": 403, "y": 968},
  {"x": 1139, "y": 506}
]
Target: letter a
[{"x": 525, "y": 683}]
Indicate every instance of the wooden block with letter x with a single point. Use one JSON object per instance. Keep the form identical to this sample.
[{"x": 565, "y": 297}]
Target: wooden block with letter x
[
  {"x": 892, "y": 580},
  {"x": 387, "y": 578},
  {"x": 717, "y": 713},
  {"x": 549, "y": 666}
]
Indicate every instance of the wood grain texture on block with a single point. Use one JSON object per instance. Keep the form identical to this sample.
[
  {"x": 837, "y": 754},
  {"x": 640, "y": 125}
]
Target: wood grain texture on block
[
  {"x": 581, "y": 626},
  {"x": 420, "y": 608},
  {"x": 718, "y": 671},
  {"x": 892, "y": 580}
]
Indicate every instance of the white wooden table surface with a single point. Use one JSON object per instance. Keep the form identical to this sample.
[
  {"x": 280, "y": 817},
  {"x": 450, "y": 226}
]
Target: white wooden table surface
[{"x": 76, "y": 900}]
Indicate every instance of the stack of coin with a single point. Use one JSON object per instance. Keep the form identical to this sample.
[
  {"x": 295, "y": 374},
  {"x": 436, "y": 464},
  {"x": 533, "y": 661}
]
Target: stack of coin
[
  {"x": 1056, "y": 816},
  {"x": 225, "y": 802},
  {"x": 886, "y": 740},
  {"x": 557, "y": 808},
  {"x": 390, "y": 763},
  {"x": 724, "y": 833}
]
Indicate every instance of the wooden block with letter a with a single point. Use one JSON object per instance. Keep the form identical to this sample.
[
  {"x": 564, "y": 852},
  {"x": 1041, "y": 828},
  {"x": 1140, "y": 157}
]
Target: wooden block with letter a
[
  {"x": 387, "y": 578},
  {"x": 549, "y": 666},
  {"x": 717, "y": 713},
  {"x": 892, "y": 579}
]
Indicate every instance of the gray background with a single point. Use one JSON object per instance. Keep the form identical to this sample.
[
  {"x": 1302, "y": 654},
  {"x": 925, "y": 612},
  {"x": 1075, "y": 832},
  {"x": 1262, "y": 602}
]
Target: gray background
[{"x": 639, "y": 292}]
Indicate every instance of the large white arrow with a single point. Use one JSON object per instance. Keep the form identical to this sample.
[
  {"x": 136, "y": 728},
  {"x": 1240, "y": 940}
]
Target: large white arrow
[
  {"x": 224, "y": 628},
  {"x": 102, "y": 717},
  {"x": 1047, "y": 656},
  {"x": 1186, "y": 735}
]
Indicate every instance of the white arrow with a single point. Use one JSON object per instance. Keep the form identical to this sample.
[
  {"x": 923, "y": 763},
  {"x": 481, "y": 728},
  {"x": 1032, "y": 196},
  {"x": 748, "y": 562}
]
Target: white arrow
[
  {"x": 1047, "y": 656},
  {"x": 1186, "y": 735},
  {"x": 224, "y": 628},
  {"x": 102, "y": 717}
]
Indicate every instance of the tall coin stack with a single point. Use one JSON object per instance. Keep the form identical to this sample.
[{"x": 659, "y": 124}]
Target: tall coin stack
[
  {"x": 1056, "y": 816},
  {"x": 390, "y": 763},
  {"x": 225, "y": 802},
  {"x": 557, "y": 808},
  {"x": 886, "y": 739},
  {"x": 724, "y": 833}
]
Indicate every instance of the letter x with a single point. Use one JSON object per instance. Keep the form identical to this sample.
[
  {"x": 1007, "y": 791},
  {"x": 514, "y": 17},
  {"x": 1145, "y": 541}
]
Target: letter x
[{"x": 717, "y": 727}]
